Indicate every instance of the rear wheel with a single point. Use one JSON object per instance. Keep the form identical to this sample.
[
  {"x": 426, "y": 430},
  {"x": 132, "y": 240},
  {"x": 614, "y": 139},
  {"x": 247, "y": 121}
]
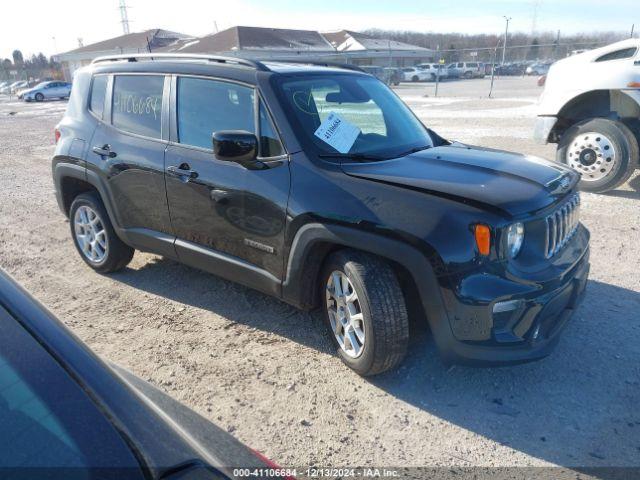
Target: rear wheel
[
  {"x": 415, "y": 78},
  {"x": 94, "y": 236},
  {"x": 365, "y": 311},
  {"x": 604, "y": 151}
]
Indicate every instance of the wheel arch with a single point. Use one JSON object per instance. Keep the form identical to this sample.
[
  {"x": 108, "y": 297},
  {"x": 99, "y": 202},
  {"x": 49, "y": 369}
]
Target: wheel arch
[
  {"x": 72, "y": 179},
  {"x": 612, "y": 104},
  {"x": 314, "y": 242}
]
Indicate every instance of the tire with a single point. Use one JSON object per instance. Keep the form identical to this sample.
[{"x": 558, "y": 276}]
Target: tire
[
  {"x": 600, "y": 173},
  {"x": 433, "y": 77},
  {"x": 468, "y": 75},
  {"x": 117, "y": 254},
  {"x": 384, "y": 321},
  {"x": 39, "y": 97},
  {"x": 415, "y": 78}
]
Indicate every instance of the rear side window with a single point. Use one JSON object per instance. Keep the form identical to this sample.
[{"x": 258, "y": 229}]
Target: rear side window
[
  {"x": 98, "y": 93},
  {"x": 207, "y": 106},
  {"x": 137, "y": 104},
  {"x": 618, "y": 54},
  {"x": 270, "y": 145}
]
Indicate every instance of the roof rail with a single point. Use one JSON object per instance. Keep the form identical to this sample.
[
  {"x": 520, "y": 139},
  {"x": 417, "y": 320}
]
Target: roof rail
[
  {"x": 135, "y": 57},
  {"x": 319, "y": 63}
]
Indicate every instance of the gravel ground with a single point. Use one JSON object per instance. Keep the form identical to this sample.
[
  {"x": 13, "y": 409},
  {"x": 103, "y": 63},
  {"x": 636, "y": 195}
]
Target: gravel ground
[{"x": 266, "y": 373}]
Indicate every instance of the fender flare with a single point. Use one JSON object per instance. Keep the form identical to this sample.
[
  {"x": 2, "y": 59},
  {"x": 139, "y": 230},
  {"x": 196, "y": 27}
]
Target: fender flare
[
  {"x": 64, "y": 170},
  {"x": 298, "y": 279}
]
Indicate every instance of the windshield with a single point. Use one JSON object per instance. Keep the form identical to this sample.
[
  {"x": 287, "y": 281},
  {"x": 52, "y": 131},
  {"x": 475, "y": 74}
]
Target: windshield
[{"x": 352, "y": 114}]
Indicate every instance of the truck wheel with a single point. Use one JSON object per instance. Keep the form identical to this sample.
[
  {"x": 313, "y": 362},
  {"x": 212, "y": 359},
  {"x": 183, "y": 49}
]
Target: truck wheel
[
  {"x": 604, "y": 151},
  {"x": 365, "y": 311},
  {"x": 94, "y": 236}
]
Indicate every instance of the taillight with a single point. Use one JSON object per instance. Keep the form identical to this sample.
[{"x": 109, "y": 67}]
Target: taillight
[{"x": 56, "y": 134}]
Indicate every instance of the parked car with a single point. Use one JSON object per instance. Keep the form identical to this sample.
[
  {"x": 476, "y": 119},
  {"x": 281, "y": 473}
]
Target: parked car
[
  {"x": 511, "y": 69},
  {"x": 435, "y": 69},
  {"x": 9, "y": 89},
  {"x": 394, "y": 75},
  {"x": 16, "y": 87},
  {"x": 590, "y": 108},
  {"x": 319, "y": 186},
  {"x": 466, "y": 70},
  {"x": 390, "y": 76},
  {"x": 538, "y": 69},
  {"x": 46, "y": 91},
  {"x": 65, "y": 413},
  {"x": 415, "y": 74}
]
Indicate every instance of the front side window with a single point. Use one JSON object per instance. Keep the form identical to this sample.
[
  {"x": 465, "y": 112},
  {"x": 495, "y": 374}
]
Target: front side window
[
  {"x": 618, "y": 54},
  {"x": 382, "y": 123},
  {"x": 137, "y": 104},
  {"x": 98, "y": 93},
  {"x": 207, "y": 106}
]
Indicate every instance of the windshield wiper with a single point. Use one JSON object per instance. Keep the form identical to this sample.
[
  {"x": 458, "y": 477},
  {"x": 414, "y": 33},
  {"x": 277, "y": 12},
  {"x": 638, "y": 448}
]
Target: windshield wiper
[
  {"x": 413, "y": 150},
  {"x": 361, "y": 157}
]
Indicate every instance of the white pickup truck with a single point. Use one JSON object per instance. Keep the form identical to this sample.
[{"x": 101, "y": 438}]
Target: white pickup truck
[{"x": 590, "y": 107}]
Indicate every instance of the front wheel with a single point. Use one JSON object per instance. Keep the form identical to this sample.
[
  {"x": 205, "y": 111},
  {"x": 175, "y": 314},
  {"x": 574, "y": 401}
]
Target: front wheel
[
  {"x": 415, "y": 78},
  {"x": 94, "y": 236},
  {"x": 604, "y": 151},
  {"x": 39, "y": 97},
  {"x": 365, "y": 311}
]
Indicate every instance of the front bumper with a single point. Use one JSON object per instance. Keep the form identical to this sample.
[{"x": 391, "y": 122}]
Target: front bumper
[
  {"x": 542, "y": 129},
  {"x": 528, "y": 333}
]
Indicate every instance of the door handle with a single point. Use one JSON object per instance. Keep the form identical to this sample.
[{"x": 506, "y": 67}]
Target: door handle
[
  {"x": 104, "y": 151},
  {"x": 183, "y": 171}
]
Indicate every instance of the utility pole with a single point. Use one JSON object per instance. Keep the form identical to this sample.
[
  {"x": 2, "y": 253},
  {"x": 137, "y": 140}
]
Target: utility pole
[
  {"x": 632, "y": 27},
  {"x": 215, "y": 24},
  {"x": 124, "y": 17},
  {"x": 506, "y": 32}
]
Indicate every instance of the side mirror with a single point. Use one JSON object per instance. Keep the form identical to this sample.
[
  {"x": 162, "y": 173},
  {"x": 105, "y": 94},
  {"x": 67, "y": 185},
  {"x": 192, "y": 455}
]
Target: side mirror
[{"x": 237, "y": 146}]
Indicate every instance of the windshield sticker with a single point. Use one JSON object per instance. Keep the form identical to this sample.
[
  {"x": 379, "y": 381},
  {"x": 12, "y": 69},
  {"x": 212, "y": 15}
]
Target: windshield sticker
[{"x": 337, "y": 132}]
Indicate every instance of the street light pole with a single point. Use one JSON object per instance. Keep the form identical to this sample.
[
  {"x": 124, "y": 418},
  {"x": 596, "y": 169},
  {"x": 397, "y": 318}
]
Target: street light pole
[{"x": 506, "y": 32}]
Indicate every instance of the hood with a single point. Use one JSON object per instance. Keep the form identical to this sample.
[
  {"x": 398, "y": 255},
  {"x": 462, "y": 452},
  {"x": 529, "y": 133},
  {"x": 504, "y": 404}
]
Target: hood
[{"x": 510, "y": 183}]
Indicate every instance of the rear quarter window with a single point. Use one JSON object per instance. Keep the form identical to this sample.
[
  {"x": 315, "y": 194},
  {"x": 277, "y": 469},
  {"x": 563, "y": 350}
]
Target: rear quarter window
[
  {"x": 137, "y": 104},
  {"x": 98, "y": 94}
]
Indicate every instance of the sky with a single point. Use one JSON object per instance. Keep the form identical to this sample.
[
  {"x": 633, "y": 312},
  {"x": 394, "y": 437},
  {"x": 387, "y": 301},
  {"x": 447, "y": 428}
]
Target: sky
[{"x": 55, "y": 26}]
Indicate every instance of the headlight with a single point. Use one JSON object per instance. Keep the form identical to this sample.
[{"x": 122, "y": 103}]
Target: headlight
[{"x": 515, "y": 237}]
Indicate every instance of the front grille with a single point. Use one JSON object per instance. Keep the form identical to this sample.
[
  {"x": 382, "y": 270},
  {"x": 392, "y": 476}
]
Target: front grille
[{"x": 561, "y": 225}]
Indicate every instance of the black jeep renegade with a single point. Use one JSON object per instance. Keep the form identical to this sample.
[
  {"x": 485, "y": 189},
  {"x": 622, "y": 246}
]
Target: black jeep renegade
[{"x": 317, "y": 185}]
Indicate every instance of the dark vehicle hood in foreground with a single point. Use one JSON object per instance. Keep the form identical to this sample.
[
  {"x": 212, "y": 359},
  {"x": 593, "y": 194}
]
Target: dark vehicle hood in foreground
[{"x": 512, "y": 183}]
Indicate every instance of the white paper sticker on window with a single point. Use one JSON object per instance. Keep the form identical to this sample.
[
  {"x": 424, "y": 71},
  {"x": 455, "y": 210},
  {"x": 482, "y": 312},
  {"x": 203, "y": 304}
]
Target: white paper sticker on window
[{"x": 337, "y": 132}]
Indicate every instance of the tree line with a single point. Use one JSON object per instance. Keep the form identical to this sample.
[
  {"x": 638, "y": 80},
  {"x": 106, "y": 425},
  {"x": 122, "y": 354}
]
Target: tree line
[
  {"x": 36, "y": 66},
  {"x": 520, "y": 46}
]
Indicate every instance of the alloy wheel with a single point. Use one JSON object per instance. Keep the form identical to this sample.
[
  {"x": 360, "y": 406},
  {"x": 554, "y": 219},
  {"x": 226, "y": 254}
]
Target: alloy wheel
[
  {"x": 90, "y": 234},
  {"x": 345, "y": 314}
]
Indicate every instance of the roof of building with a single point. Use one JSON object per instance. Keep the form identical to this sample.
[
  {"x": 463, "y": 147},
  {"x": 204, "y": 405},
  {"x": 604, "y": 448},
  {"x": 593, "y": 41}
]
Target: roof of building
[
  {"x": 258, "y": 38},
  {"x": 157, "y": 39},
  {"x": 348, "y": 40}
]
